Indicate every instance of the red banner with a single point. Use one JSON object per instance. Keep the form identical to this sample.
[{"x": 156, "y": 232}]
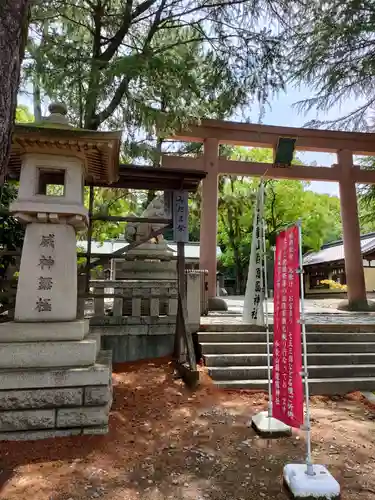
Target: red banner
[{"x": 287, "y": 389}]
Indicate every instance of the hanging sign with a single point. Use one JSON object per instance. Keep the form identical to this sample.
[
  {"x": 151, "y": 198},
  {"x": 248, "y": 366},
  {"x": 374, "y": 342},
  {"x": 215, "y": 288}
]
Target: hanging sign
[
  {"x": 254, "y": 295},
  {"x": 180, "y": 216},
  {"x": 287, "y": 390}
]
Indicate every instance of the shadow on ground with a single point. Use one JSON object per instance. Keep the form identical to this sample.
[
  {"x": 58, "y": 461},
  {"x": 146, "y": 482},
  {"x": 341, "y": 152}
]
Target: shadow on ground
[{"x": 166, "y": 442}]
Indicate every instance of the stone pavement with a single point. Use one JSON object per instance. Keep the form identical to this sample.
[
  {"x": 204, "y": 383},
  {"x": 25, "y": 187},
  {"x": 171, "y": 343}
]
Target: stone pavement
[{"x": 317, "y": 311}]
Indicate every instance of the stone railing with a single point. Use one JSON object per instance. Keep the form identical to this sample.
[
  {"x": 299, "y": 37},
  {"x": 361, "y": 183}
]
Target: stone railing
[
  {"x": 135, "y": 298},
  {"x": 136, "y": 319}
]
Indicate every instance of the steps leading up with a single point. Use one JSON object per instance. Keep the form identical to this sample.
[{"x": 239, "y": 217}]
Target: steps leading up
[
  {"x": 341, "y": 358},
  {"x": 314, "y": 347},
  {"x": 317, "y": 386}
]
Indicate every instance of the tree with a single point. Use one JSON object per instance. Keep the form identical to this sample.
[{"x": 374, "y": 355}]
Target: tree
[
  {"x": 13, "y": 30},
  {"x": 285, "y": 202},
  {"x": 11, "y": 231},
  {"x": 333, "y": 53},
  {"x": 366, "y": 199},
  {"x": 150, "y": 66},
  {"x": 23, "y": 114}
]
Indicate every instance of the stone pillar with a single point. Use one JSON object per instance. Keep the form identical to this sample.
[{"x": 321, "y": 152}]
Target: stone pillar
[
  {"x": 48, "y": 270},
  {"x": 208, "y": 229},
  {"x": 351, "y": 233}
]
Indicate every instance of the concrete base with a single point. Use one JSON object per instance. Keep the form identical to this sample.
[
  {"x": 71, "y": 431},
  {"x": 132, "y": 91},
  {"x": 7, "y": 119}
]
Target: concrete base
[
  {"x": 157, "y": 251},
  {"x": 357, "y": 306},
  {"x": 40, "y": 404},
  {"x": 217, "y": 304},
  {"x": 321, "y": 485},
  {"x": 36, "y": 332},
  {"x": 48, "y": 354},
  {"x": 269, "y": 427},
  {"x": 127, "y": 348}
]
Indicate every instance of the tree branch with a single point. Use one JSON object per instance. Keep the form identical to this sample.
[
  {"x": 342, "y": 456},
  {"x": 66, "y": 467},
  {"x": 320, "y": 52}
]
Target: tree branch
[
  {"x": 116, "y": 99},
  {"x": 129, "y": 16}
]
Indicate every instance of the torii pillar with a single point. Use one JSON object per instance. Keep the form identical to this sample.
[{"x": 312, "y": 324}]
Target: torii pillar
[
  {"x": 355, "y": 278},
  {"x": 208, "y": 228}
]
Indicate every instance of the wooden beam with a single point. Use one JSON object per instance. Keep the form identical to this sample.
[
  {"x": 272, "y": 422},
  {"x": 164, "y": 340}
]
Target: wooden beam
[
  {"x": 118, "y": 218},
  {"x": 267, "y": 136},
  {"x": 267, "y": 170},
  {"x": 300, "y": 172}
]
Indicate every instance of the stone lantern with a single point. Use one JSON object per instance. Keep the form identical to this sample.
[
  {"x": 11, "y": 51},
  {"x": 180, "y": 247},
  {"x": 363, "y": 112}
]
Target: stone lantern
[{"x": 54, "y": 380}]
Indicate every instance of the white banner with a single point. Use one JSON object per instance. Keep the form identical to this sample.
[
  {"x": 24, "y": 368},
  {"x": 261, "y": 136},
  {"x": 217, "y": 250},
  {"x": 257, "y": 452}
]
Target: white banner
[{"x": 254, "y": 296}]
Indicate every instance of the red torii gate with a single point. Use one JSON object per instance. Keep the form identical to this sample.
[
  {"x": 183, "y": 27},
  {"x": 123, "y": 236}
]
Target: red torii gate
[{"x": 344, "y": 144}]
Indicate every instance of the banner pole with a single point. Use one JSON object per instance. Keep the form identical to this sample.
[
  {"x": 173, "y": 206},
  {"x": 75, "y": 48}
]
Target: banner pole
[
  {"x": 267, "y": 323},
  {"x": 310, "y": 470}
]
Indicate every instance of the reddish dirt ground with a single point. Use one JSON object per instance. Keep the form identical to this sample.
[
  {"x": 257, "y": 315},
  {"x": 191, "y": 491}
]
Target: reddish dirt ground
[{"x": 166, "y": 442}]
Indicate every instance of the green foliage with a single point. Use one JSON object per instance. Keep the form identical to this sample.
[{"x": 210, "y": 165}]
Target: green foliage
[
  {"x": 23, "y": 114},
  {"x": 108, "y": 201},
  {"x": 149, "y": 67},
  {"x": 366, "y": 197},
  {"x": 11, "y": 231},
  {"x": 285, "y": 202},
  {"x": 333, "y": 52}
]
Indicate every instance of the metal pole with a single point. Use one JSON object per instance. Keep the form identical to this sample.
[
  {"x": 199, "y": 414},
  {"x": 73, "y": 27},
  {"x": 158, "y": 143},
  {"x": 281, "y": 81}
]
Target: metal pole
[
  {"x": 89, "y": 239},
  {"x": 310, "y": 470},
  {"x": 267, "y": 325}
]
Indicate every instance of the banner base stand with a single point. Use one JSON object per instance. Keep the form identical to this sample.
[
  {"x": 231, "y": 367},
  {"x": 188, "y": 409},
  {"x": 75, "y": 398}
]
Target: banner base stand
[
  {"x": 322, "y": 485},
  {"x": 269, "y": 427}
]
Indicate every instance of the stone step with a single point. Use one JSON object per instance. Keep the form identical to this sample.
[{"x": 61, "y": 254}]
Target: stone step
[
  {"x": 34, "y": 435},
  {"x": 317, "y": 386},
  {"x": 224, "y": 337},
  {"x": 96, "y": 374},
  {"x": 38, "y": 332},
  {"x": 261, "y": 347},
  {"x": 312, "y": 359},
  {"x": 310, "y": 327},
  {"x": 218, "y": 373},
  {"x": 234, "y": 327},
  {"x": 48, "y": 354}
]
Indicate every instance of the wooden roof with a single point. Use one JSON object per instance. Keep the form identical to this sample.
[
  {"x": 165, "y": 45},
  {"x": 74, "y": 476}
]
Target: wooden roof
[
  {"x": 156, "y": 178},
  {"x": 99, "y": 151},
  {"x": 140, "y": 177}
]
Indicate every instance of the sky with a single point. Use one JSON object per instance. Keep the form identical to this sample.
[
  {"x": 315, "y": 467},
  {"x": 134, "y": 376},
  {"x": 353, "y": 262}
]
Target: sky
[{"x": 280, "y": 111}]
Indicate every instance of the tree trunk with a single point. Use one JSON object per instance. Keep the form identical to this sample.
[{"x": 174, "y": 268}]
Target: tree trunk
[{"x": 13, "y": 35}]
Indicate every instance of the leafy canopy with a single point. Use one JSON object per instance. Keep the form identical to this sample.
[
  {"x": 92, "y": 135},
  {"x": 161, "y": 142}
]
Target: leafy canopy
[{"x": 332, "y": 51}]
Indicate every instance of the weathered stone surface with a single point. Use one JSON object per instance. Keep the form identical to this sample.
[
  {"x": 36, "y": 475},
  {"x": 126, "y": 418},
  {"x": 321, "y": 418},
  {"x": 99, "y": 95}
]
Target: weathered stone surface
[
  {"x": 83, "y": 416},
  {"x": 95, "y": 396},
  {"x": 129, "y": 320},
  {"x": 97, "y": 374},
  {"x": 47, "y": 354},
  {"x": 63, "y": 271},
  {"x": 162, "y": 330},
  {"x": 134, "y": 347},
  {"x": 27, "y": 420},
  {"x": 40, "y": 398},
  {"x": 36, "y": 332},
  {"x": 103, "y": 429},
  {"x": 35, "y": 435}
]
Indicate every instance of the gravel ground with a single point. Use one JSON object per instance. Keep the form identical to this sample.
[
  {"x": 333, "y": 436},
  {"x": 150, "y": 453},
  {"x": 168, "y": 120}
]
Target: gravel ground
[{"x": 168, "y": 443}]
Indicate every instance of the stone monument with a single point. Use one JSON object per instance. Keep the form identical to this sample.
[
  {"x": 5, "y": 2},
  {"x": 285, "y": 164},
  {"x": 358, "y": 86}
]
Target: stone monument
[
  {"x": 156, "y": 248},
  {"x": 54, "y": 379}
]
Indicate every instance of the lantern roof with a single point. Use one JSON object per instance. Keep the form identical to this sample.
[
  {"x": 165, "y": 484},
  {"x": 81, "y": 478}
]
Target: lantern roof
[{"x": 54, "y": 134}]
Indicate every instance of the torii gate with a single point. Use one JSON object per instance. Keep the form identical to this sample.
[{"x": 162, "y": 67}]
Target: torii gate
[{"x": 344, "y": 144}]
